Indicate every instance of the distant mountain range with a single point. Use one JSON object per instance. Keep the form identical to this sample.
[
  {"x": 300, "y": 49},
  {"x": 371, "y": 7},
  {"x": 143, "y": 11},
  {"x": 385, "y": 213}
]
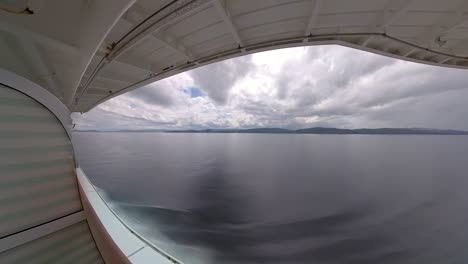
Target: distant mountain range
[
  {"x": 312, "y": 130},
  {"x": 121, "y": 130},
  {"x": 334, "y": 131}
]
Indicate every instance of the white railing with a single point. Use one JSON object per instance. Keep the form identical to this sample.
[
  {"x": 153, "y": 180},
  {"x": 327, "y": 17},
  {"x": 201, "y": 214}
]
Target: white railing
[{"x": 133, "y": 247}]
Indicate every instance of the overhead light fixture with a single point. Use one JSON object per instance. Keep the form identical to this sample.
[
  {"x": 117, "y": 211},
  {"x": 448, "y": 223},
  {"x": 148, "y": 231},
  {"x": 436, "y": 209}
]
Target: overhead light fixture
[{"x": 439, "y": 41}]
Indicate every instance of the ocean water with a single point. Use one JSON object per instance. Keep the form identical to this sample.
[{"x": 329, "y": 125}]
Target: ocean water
[{"x": 282, "y": 198}]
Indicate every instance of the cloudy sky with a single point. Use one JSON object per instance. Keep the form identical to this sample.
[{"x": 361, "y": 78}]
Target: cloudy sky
[{"x": 328, "y": 86}]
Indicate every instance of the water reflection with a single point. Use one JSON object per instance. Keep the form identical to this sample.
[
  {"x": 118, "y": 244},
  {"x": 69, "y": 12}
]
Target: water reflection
[
  {"x": 320, "y": 199},
  {"x": 221, "y": 222}
]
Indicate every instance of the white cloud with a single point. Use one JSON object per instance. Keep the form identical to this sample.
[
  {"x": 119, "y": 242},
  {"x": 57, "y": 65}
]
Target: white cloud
[{"x": 297, "y": 87}]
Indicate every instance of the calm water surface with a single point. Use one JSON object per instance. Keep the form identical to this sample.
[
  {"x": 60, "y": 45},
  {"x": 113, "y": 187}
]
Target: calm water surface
[{"x": 266, "y": 198}]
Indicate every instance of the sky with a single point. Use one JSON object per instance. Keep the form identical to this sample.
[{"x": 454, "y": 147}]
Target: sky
[{"x": 327, "y": 86}]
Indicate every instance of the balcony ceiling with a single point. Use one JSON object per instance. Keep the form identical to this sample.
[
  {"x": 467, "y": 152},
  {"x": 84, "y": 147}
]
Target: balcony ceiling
[{"x": 86, "y": 52}]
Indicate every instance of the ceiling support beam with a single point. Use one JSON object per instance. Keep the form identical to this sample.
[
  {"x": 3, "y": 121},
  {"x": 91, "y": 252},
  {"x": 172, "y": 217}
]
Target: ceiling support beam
[
  {"x": 173, "y": 45},
  {"x": 367, "y": 41},
  {"x": 220, "y": 6},
  {"x": 111, "y": 80},
  {"x": 316, "y": 6},
  {"x": 158, "y": 36},
  {"x": 445, "y": 60},
  {"x": 155, "y": 22},
  {"x": 125, "y": 64},
  {"x": 131, "y": 65},
  {"x": 174, "y": 11},
  {"x": 409, "y": 52}
]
